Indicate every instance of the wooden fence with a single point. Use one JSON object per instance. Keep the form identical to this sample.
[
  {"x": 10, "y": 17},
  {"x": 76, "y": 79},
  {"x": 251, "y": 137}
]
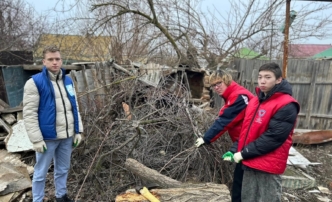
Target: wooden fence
[{"x": 311, "y": 82}]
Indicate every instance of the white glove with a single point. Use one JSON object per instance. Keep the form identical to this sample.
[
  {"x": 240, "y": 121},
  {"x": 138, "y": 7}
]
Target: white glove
[
  {"x": 40, "y": 146},
  {"x": 238, "y": 157},
  {"x": 199, "y": 142},
  {"x": 77, "y": 140}
]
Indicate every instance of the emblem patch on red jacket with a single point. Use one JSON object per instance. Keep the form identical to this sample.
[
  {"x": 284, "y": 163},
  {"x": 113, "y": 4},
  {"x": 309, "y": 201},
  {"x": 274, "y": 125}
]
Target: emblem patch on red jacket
[{"x": 261, "y": 113}]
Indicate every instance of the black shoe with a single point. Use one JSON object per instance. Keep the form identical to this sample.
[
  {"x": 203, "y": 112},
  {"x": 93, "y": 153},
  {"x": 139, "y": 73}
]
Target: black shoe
[{"x": 64, "y": 198}]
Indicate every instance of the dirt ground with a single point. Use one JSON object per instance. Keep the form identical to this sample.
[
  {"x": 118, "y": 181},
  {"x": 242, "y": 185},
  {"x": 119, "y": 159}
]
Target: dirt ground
[{"x": 321, "y": 153}]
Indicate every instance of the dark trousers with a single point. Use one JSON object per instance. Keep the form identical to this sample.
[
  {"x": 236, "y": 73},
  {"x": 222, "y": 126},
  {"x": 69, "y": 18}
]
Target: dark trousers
[
  {"x": 237, "y": 183},
  {"x": 261, "y": 186}
]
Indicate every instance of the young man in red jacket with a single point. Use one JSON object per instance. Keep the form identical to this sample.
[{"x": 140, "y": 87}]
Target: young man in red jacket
[
  {"x": 266, "y": 136},
  {"x": 230, "y": 118}
]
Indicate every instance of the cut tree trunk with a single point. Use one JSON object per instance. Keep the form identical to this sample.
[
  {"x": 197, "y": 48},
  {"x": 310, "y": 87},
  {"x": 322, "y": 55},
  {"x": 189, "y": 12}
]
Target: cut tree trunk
[
  {"x": 173, "y": 190},
  {"x": 149, "y": 175}
]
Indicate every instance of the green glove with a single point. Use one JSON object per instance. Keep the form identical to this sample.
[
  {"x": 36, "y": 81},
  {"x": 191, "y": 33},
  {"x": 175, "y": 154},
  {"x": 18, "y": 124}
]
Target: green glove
[{"x": 228, "y": 156}]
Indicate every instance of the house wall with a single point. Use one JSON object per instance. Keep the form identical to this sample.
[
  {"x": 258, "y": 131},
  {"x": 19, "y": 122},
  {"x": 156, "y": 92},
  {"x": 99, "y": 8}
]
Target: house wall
[{"x": 76, "y": 48}]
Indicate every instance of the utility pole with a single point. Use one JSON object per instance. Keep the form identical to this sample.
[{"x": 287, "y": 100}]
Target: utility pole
[
  {"x": 285, "y": 57},
  {"x": 271, "y": 42},
  {"x": 271, "y": 18},
  {"x": 286, "y": 39}
]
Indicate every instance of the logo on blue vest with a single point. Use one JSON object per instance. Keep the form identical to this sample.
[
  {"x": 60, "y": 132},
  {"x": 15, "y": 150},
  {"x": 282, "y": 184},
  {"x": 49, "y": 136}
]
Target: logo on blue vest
[{"x": 70, "y": 89}]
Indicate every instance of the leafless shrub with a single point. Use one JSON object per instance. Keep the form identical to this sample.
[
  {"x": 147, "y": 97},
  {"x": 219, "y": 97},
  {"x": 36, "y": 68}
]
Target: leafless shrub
[
  {"x": 159, "y": 135},
  {"x": 19, "y": 25}
]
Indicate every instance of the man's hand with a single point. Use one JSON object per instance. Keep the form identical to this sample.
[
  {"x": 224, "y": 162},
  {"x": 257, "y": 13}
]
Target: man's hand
[
  {"x": 77, "y": 140},
  {"x": 199, "y": 142},
  {"x": 238, "y": 157},
  {"x": 40, "y": 146},
  {"x": 228, "y": 156}
]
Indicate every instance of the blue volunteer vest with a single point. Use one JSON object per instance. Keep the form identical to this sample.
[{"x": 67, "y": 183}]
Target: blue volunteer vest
[{"x": 47, "y": 105}]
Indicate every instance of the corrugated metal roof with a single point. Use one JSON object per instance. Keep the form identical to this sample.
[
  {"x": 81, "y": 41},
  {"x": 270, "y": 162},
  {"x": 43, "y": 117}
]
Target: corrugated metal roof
[
  {"x": 324, "y": 54},
  {"x": 249, "y": 54},
  {"x": 306, "y": 50}
]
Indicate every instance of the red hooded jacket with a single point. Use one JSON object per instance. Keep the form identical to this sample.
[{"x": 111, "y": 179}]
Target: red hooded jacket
[
  {"x": 231, "y": 114},
  {"x": 257, "y": 123}
]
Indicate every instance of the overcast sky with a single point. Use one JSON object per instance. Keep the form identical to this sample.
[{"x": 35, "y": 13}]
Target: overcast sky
[{"x": 44, "y": 7}]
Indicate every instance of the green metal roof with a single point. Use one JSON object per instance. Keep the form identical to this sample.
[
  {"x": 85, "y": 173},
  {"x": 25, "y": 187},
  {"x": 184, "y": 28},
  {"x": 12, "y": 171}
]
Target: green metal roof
[
  {"x": 249, "y": 54},
  {"x": 324, "y": 54}
]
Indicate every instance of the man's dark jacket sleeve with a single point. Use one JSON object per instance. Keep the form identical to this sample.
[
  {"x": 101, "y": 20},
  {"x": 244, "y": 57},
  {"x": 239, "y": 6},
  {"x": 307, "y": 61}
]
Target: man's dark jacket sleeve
[
  {"x": 277, "y": 133},
  {"x": 227, "y": 119}
]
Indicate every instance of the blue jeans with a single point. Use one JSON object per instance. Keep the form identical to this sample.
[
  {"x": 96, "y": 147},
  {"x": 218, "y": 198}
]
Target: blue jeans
[{"x": 60, "y": 152}]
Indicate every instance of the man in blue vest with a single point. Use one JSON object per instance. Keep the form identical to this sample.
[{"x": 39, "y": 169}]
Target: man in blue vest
[{"x": 53, "y": 123}]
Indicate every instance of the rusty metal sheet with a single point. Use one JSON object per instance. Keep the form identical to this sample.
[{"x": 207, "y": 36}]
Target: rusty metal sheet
[{"x": 312, "y": 137}]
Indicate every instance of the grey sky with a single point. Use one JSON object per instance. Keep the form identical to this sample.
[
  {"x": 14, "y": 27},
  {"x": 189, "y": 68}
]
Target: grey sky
[
  {"x": 44, "y": 7},
  {"x": 295, "y": 4}
]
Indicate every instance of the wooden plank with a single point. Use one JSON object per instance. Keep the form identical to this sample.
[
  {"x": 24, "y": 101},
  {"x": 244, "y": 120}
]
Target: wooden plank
[
  {"x": 72, "y": 75},
  {"x": 3, "y": 104},
  {"x": 5, "y": 126},
  {"x": 19, "y": 115},
  {"x": 186, "y": 82},
  {"x": 311, "y": 97},
  {"x": 40, "y": 67},
  {"x": 86, "y": 85},
  {"x": 317, "y": 115},
  {"x": 83, "y": 63},
  {"x": 3, "y": 94},
  {"x": 11, "y": 110},
  {"x": 100, "y": 92},
  {"x": 14, "y": 173},
  {"x": 6, "y": 197},
  {"x": 8, "y": 118}
]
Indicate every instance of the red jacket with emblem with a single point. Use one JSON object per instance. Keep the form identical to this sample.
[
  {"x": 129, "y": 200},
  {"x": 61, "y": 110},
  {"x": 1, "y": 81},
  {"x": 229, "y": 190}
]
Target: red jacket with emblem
[
  {"x": 231, "y": 115},
  {"x": 266, "y": 136}
]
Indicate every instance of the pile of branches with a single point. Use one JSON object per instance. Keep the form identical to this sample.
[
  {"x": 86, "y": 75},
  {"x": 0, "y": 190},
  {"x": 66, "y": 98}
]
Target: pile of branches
[{"x": 159, "y": 130}]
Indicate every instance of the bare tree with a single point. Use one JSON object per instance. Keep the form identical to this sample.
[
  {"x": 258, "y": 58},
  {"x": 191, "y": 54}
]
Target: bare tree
[
  {"x": 19, "y": 26},
  {"x": 313, "y": 21},
  {"x": 159, "y": 23},
  {"x": 213, "y": 36},
  {"x": 179, "y": 32},
  {"x": 188, "y": 31}
]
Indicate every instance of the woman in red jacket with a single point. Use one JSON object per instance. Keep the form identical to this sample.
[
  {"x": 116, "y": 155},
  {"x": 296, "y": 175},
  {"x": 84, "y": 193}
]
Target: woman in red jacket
[
  {"x": 230, "y": 118},
  {"x": 266, "y": 136}
]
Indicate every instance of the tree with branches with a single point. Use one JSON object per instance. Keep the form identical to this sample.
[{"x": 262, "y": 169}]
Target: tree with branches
[
  {"x": 19, "y": 25},
  {"x": 180, "y": 32}
]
